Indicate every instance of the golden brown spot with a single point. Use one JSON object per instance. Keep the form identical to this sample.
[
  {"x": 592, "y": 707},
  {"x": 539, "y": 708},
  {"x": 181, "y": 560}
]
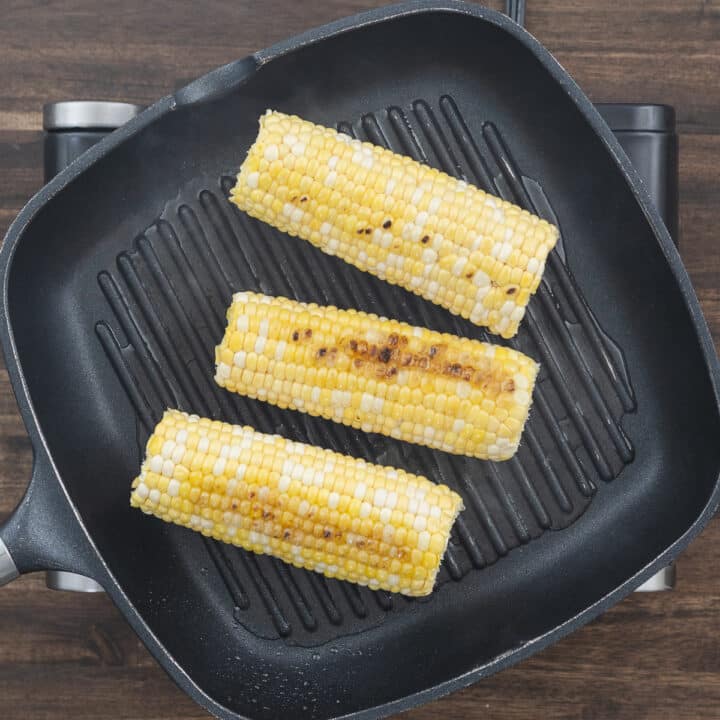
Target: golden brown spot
[
  {"x": 268, "y": 515},
  {"x": 234, "y": 504},
  {"x": 494, "y": 283},
  {"x": 508, "y": 385},
  {"x": 308, "y": 334},
  {"x": 327, "y": 355},
  {"x": 385, "y": 360}
]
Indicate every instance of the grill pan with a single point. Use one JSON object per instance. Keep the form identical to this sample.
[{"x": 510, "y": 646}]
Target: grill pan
[{"x": 115, "y": 279}]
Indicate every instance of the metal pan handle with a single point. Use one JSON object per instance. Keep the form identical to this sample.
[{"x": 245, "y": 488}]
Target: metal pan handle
[{"x": 8, "y": 569}]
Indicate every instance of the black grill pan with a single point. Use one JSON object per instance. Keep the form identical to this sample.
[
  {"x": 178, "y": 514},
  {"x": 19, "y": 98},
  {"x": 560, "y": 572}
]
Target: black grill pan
[{"x": 115, "y": 281}]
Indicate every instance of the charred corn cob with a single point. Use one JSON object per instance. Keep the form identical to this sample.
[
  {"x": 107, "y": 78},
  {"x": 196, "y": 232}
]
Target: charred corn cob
[
  {"x": 310, "y": 507},
  {"x": 476, "y": 255},
  {"x": 378, "y": 375}
]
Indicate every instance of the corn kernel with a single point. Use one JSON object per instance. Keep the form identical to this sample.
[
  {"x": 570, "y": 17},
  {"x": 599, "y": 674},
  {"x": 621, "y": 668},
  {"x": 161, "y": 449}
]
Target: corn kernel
[
  {"x": 306, "y": 525},
  {"x": 308, "y": 187},
  {"x": 409, "y": 383}
]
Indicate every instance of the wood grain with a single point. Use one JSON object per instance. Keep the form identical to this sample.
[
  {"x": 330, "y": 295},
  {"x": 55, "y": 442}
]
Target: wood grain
[{"x": 658, "y": 656}]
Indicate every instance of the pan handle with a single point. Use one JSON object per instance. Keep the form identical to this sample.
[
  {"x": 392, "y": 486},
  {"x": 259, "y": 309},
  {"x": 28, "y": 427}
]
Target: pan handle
[
  {"x": 8, "y": 569},
  {"x": 43, "y": 533}
]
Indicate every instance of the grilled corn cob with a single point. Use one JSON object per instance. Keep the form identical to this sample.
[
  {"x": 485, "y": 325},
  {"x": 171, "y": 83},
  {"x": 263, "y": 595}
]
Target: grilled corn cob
[
  {"x": 314, "y": 508},
  {"x": 378, "y": 375},
  {"x": 476, "y": 255}
]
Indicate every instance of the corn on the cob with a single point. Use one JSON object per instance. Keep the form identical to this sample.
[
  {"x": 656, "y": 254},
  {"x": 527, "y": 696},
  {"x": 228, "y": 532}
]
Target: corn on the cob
[
  {"x": 378, "y": 375},
  {"x": 317, "y": 509},
  {"x": 476, "y": 255}
]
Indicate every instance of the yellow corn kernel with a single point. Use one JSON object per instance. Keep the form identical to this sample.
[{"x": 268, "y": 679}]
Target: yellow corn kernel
[
  {"x": 407, "y": 223},
  {"x": 309, "y": 514},
  {"x": 407, "y": 382}
]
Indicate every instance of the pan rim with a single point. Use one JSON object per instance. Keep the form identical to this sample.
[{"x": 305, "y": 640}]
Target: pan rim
[{"x": 220, "y": 80}]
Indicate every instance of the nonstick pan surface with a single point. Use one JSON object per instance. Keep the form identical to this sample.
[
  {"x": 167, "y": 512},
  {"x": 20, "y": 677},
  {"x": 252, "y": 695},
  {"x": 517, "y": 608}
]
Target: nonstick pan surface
[{"x": 116, "y": 277}]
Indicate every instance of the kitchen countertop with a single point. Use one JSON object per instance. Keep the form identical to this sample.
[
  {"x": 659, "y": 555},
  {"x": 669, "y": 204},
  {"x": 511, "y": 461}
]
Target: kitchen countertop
[{"x": 655, "y": 655}]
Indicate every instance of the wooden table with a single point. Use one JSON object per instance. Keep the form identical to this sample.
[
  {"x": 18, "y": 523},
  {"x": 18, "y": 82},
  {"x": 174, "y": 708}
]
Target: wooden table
[{"x": 64, "y": 655}]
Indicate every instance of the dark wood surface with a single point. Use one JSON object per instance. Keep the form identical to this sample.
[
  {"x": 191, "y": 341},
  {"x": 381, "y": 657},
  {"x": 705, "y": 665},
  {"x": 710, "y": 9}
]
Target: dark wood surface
[{"x": 64, "y": 655}]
